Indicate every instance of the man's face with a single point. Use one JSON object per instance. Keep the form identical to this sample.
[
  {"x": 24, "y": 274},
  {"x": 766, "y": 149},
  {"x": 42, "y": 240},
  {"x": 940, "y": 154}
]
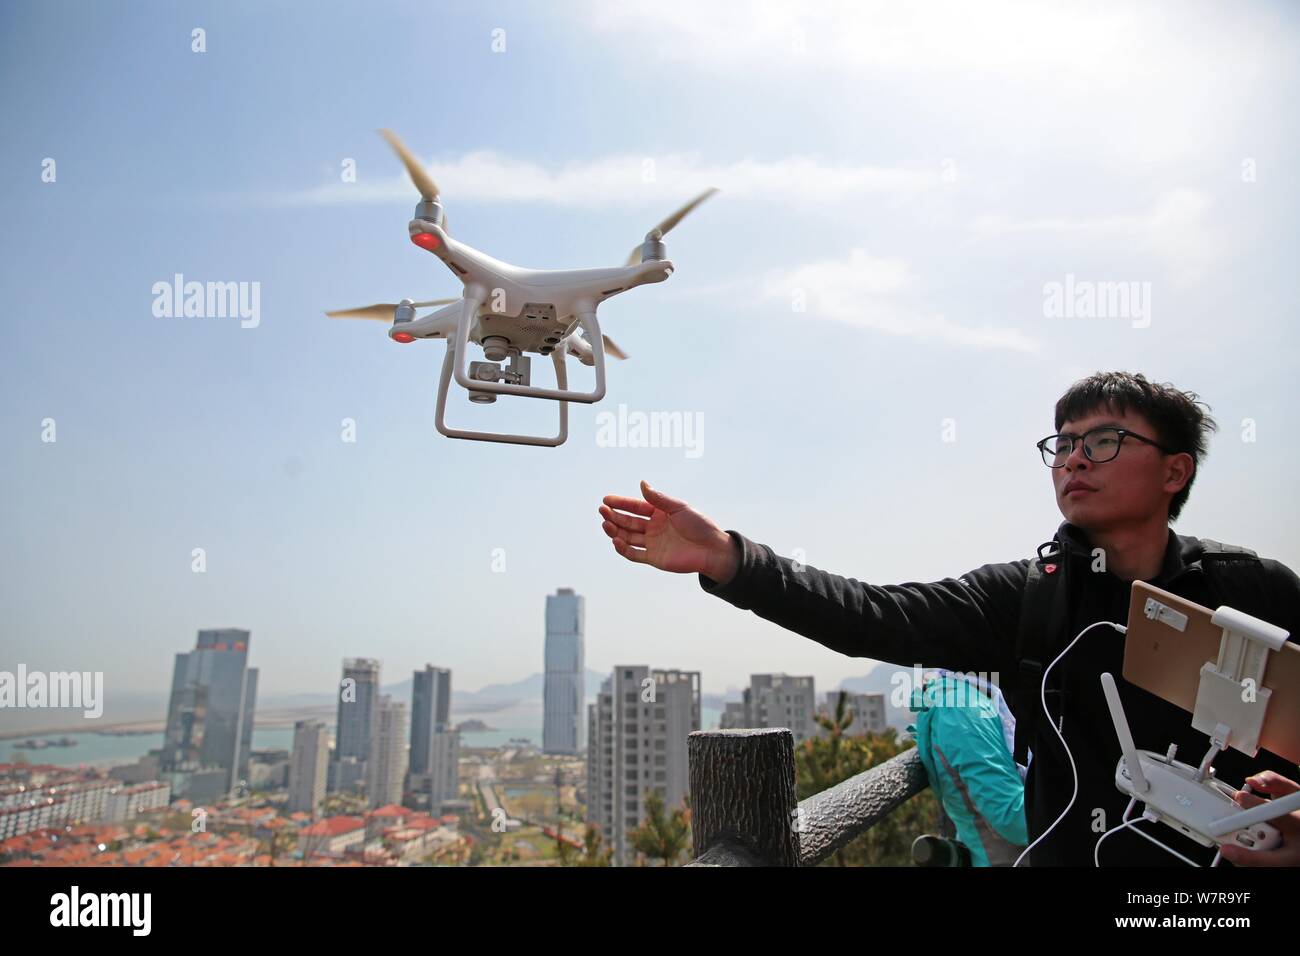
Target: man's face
[{"x": 1127, "y": 489}]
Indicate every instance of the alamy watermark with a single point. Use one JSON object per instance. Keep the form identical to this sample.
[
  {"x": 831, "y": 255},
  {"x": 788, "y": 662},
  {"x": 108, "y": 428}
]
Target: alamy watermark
[
  {"x": 208, "y": 300},
  {"x": 1085, "y": 299},
  {"x": 637, "y": 429},
  {"x": 967, "y": 689},
  {"x": 83, "y": 689},
  {"x": 75, "y": 908}
]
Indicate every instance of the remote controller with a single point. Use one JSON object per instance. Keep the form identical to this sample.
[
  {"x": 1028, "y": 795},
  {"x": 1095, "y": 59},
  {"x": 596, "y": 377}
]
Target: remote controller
[{"x": 1171, "y": 792}]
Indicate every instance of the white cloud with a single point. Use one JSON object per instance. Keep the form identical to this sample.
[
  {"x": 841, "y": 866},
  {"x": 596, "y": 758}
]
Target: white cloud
[
  {"x": 873, "y": 293},
  {"x": 1175, "y": 229},
  {"x": 1137, "y": 84},
  {"x": 487, "y": 176},
  {"x": 1002, "y": 36}
]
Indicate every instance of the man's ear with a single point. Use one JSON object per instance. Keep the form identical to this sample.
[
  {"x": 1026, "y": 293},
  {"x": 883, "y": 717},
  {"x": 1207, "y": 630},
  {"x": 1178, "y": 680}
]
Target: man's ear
[{"x": 1179, "y": 471}]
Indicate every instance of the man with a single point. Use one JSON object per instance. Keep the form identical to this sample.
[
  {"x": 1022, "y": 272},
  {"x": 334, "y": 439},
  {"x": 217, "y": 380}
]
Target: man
[{"x": 1122, "y": 465}]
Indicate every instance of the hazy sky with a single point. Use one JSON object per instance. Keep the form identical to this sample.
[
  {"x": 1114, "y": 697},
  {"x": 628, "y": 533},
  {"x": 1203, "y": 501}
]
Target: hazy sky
[{"x": 915, "y": 178}]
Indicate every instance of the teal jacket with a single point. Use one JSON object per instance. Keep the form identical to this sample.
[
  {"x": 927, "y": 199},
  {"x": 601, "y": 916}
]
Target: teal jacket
[{"x": 963, "y": 744}]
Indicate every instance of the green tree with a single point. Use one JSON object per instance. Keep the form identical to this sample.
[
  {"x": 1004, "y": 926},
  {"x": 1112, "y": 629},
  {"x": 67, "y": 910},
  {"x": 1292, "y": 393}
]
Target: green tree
[
  {"x": 662, "y": 836},
  {"x": 828, "y": 768},
  {"x": 273, "y": 844},
  {"x": 822, "y": 762},
  {"x": 592, "y": 854},
  {"x": 476, "y": 856}
]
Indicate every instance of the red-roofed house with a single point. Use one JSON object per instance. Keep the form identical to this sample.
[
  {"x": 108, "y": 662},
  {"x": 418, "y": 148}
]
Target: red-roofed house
[
  {"x": 383, "y": 818},
  {"x": 332, "y": 835}
]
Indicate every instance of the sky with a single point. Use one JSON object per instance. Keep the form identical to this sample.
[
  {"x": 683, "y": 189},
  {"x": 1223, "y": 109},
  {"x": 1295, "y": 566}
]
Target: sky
[{"x": 859, "y": 321}]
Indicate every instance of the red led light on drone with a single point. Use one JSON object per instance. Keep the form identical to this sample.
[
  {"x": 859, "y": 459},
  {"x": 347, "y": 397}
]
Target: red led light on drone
[
  {"x": 403, "y": 337},
  {"x": 425, "y": 240}
]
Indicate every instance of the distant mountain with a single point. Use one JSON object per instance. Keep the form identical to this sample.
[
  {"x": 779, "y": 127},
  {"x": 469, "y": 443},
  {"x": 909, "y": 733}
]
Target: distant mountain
[{"x": 532, "y": 686}]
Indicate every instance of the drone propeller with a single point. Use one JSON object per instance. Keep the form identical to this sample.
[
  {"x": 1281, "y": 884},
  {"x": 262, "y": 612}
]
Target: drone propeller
[
  {"x": 611, "y": 348},
  {"x": 419, "y": 176},
  {"x": 383, "y": 310},
  {"x": 659, "y": 231}
]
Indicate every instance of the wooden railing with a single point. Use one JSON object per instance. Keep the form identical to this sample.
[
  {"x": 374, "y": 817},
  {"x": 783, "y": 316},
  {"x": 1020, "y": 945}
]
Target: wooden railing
[{"x": 744, "y": 810}]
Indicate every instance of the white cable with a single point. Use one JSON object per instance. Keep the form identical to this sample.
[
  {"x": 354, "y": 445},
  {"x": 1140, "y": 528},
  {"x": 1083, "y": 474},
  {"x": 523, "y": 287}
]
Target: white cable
[
  {"x": 1146, "y": 815},
  {"x": 1166, "y": 848},
  {"x": 1042, "y": 696},
  {"x": 1126, "y": 822}
]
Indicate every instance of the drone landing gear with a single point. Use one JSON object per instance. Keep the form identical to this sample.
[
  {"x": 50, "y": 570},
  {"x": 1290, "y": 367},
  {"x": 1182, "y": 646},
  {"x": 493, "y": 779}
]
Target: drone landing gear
[
  {"x": 486, "y": 389},
  {"x": 445, "y": 382}
]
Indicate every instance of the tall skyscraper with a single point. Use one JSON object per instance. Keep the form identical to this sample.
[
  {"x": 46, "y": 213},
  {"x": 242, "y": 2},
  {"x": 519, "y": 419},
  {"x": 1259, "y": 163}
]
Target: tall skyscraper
[
  {"x": 210, "y": 711},
  {"x": 358, "y": 718},
  {"x": 637, "y": 742},
  {"x": 564, "y": 692},
  {"x": 387, "y": 764},
  {"x": 435, "y": 744},
  {"x": 308, "y": 766}
]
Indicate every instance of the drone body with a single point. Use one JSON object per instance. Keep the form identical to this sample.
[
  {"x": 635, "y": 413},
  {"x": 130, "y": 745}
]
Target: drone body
[
  {"x": 510, "y": 312},
  {"x": 531, "y": 310}
]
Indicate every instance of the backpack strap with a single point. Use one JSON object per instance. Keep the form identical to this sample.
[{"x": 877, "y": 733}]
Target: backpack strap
[
  {"x": 1042, "y": 613},
  {"x": 1235, "y": 574},
  {"x": 1217, "y": 551}
]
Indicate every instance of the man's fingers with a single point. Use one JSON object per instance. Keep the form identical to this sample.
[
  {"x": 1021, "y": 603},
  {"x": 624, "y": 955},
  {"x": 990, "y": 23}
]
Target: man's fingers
[
  {"x": 1288, "y": 824},
  {"x": 1246, "y": 800},
  {"x": 1272, "y": 783},
  {"x": 634, "y": 505},
  {"x": 626, "y": 522},
  {"x": 1240, "y": 856},
  {"x": 660, "y": 500},
  {"x": 632, "y": 554},
  {"x": 636, "y": 539}
]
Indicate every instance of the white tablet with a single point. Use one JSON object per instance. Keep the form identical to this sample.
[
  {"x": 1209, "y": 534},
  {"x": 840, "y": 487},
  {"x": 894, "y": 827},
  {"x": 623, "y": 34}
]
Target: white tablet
[{"x": 1167, "y": 662}]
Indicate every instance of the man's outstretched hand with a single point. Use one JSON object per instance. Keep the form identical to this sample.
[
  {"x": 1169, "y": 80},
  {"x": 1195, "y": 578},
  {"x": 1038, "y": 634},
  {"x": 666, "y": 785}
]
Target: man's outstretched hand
[{"x": 668, "y": 534}]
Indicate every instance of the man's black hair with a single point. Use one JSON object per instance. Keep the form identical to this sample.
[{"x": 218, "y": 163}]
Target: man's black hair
[{"x": 1179, "y": 422}]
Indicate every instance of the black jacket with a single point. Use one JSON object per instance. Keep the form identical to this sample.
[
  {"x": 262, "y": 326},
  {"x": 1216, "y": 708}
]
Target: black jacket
[{"x": 970, "y": 624}]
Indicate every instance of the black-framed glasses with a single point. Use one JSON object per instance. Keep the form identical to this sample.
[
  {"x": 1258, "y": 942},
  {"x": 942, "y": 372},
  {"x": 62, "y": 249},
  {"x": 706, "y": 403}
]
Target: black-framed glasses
[{"x": 1099, "y": 445}]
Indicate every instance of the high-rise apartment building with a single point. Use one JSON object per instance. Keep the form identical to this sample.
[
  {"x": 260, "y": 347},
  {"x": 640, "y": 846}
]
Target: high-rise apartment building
[
  {"x": 355, "y": 727},
  {"x": 387, "y": 764},
  {"x": 636, "y": 742},
  {"x": 780, "y": 700},
  {"x": 868, "y": 711},
  {"x": 435, "y": 744},
  {"x": 308, "y": 766}
]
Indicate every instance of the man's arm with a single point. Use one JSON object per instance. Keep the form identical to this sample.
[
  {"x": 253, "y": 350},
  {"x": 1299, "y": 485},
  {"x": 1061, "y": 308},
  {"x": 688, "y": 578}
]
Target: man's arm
[{"x": 965, "y": 624}]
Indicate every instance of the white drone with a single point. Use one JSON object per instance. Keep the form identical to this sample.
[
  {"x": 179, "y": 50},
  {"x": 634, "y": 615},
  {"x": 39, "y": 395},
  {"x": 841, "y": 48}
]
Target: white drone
[{"x": 511, "y": 311}]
